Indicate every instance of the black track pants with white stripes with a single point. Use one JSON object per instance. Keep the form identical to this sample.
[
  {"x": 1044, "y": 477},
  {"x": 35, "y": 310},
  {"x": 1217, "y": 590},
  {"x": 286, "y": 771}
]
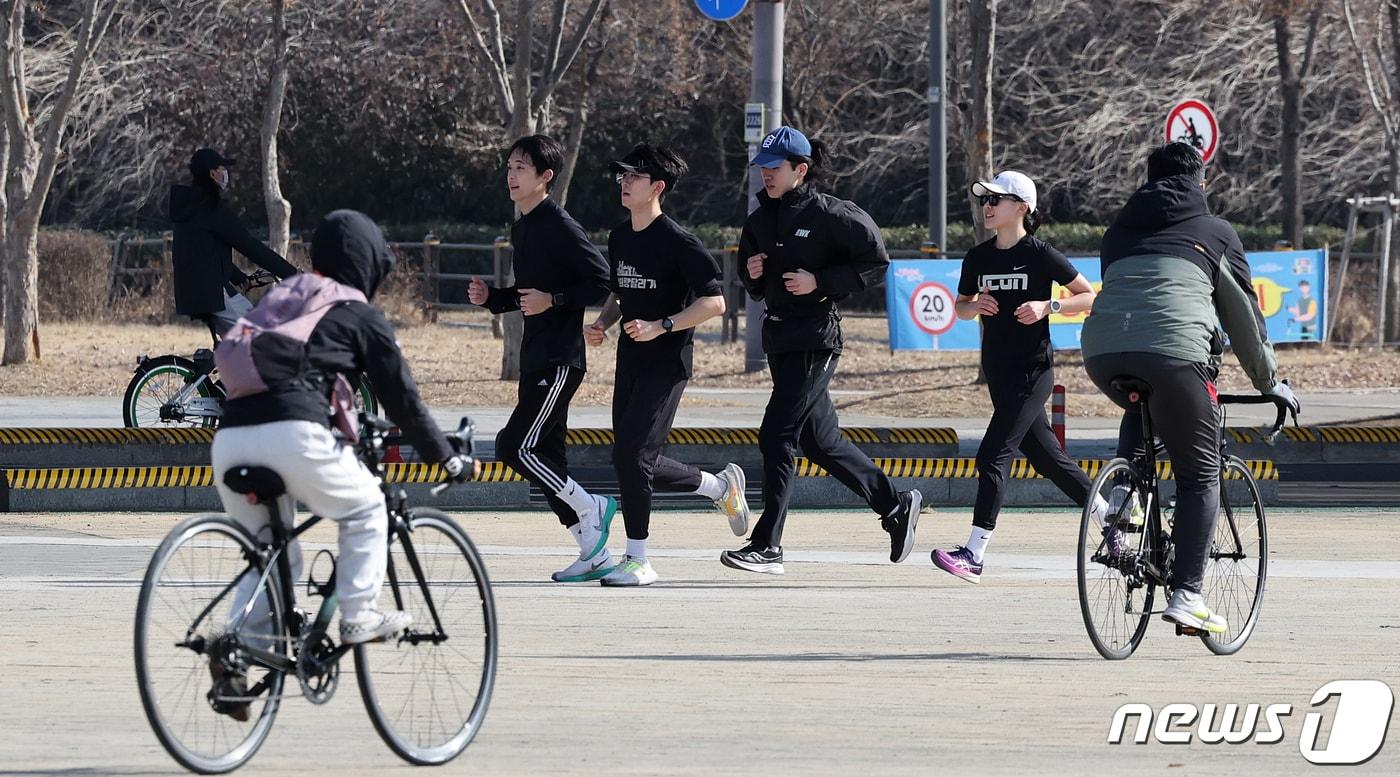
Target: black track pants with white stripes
[
  {"x": 800, "y": 412},
  {"x": 532, "y": 441}
]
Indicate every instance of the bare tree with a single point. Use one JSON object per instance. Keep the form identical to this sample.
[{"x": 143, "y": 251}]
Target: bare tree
[
  {"x": 1291, "y": 77},
  {"x": 977, "y": 129},
  {"x": 279, "y": 211},
  {"x": 34, "y": 129},
  {"x": 1376, "y": 41},
  {"x": 523, "y": 97}
]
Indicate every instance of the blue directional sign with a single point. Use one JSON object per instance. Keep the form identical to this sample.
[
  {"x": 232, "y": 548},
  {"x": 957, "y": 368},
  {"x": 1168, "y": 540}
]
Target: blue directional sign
[{"x": 721, "y": 10}]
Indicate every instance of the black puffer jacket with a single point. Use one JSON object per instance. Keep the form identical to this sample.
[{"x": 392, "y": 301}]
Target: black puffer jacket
[
  {"x": 831, "y": 238},
  {"x": 206, "y": 232},
  {"x": 351, "y": 339}
]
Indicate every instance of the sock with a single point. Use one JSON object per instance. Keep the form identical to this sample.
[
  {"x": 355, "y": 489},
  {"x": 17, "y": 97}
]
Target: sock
[
  {"x": 977, "y": 542},
  {"x": 711, "y": 487},
  {"x": 580, "y": 501},
  {"x": 1099, "y": 510},
  {"x": 637, "y": 549}
]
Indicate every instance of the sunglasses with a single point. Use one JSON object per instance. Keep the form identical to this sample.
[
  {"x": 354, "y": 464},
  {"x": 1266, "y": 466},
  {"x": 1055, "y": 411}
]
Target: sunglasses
[{"x": 995, "y": 199}]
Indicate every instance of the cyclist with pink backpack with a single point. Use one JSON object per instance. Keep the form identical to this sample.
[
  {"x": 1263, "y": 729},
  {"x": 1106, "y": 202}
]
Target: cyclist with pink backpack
[{"x": 285, "y": 366}]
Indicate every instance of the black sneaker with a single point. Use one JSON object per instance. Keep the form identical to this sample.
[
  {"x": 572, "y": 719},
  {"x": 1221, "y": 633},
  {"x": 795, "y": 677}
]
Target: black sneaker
[
  {"x": 901, "y": 524},
  {"x": 228, "y": 691},
  {"x": 754, "y": 558}
]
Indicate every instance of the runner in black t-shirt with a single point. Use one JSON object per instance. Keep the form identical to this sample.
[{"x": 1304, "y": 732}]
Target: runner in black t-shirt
[
  {"x": 1007, "y": 280},
  {"x": 664, "y": 284}
]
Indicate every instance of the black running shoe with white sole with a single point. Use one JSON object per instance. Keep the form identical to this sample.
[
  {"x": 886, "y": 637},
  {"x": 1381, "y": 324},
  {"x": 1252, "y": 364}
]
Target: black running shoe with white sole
[
  {"x": 901, "y": 525},
  {"x": 754, "y": 558}
]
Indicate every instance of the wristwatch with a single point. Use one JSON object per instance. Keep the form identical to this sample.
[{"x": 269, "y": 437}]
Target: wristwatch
[
  {"x": 557, "y": 300},
  {"x": 1055, "y": 306},
  {"x": 667, "y": 323}
]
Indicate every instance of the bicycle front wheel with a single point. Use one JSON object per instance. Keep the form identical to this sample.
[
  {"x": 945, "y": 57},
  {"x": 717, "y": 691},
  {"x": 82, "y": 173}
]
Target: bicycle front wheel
[
  {"x": 427, "y": 693},
  {"x": 156, "y": 384},
  {"x": 1115, "y": 597},
  {"x": 197, "y": 585},
  {"x": 1238, "y": 563},
  {"x": 365, "y": 400}
]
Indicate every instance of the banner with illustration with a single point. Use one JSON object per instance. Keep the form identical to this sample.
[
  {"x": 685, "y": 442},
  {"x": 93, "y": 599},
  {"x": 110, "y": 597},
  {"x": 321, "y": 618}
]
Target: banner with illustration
[{"x": 919, "y": 296}]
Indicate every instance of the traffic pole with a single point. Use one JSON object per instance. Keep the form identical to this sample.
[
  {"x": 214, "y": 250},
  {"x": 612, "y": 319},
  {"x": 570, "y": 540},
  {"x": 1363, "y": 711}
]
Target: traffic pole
[{"x": 1057, "y": 414}]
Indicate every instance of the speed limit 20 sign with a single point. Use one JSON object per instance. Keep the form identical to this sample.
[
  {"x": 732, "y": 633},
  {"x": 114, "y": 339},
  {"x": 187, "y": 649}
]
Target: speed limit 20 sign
[{"x": 931, "y": 308}]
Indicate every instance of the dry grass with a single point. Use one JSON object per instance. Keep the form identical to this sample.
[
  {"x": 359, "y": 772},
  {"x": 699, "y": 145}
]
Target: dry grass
[{"x": 456, "y": 362}]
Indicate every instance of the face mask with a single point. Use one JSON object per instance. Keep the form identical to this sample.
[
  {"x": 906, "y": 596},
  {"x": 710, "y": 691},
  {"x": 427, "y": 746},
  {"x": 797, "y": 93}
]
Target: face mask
[{"x": 221, "y": 180}]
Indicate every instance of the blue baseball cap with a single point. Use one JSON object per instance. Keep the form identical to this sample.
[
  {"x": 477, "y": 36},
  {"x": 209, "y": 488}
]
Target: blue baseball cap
[{"x": 780, "y": 144}]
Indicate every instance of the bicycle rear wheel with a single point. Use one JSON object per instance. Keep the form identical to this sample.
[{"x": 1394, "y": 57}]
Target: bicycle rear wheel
[
  {"x": 1115, "y": 598},
  {"x": 188, "y": 599},
  {"x": 1238, "y": 563},
  {"x": 426, "y": 695},
  {"x": 156, "y": 383}
]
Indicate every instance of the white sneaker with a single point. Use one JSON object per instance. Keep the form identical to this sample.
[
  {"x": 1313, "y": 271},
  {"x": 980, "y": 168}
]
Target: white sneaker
[
  {"x": 585, "y": 569},
  {"x": 373, "y": 626},
  {"x": 1188, "y": 608},
  {"x": 631, "y": 572},
  {"x": 734, "y": 504},
  {"x": 1099, "y": 511},
  {"x": 1135, "y": 515},
  {"x": 591, "y": 531}
]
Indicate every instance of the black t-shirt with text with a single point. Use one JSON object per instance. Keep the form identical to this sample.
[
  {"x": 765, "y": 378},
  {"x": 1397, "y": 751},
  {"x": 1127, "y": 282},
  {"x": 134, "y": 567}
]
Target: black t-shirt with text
[
  {"x": 1012, "y": 276},
  {"x": 656, "y": 273}
]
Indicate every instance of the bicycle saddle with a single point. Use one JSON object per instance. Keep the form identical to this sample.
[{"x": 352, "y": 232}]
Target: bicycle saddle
[
  {"x": 259, "y": 482},
  {"x": 1127, "y": 384}
]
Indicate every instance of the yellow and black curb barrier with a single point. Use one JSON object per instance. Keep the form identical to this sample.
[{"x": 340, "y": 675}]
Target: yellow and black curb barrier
[
  {"x": 19, "y": 478},
  {"x": 1319, "y": 434},
  {"x": 733, "y": 436},
  {"x": 119, "y": 436}
]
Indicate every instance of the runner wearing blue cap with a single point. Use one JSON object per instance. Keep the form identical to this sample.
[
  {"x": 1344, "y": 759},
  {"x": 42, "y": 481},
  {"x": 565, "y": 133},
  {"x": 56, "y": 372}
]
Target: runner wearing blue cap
[{"x": 805, "y": 251}]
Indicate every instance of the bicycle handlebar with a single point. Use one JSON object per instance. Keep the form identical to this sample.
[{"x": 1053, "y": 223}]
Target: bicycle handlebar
[
  {"x": 1263, "y": 399},
  {"x": 375, "y": 435}
]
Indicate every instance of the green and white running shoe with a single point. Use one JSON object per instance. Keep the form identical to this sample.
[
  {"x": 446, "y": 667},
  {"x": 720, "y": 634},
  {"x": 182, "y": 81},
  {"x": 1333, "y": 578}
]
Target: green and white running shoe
[
  {"x": 1188, "y": 608},
  {"x": 631, "y": 572}
]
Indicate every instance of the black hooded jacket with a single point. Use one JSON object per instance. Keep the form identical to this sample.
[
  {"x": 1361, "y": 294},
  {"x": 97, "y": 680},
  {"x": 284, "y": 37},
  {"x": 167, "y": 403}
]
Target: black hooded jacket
[
  {"x": 831, "y": 238},
  {"x": 206, "y": 232},
  {"x": 353, "y": 338}
]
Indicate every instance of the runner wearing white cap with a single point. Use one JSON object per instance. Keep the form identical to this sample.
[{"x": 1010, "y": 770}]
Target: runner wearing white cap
[{"x": 1007, "y": 281}]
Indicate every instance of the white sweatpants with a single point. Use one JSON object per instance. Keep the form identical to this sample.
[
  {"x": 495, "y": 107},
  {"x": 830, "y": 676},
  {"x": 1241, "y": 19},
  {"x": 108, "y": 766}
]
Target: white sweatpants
[{"x": 323, "y": 474}]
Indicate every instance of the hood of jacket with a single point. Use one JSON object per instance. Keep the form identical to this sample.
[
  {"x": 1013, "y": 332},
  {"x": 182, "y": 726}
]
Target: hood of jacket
[
  {"x": 1164, "y": 202},
  {"x": 188, "y": 201},
  {"x": 349, "y": 247}
]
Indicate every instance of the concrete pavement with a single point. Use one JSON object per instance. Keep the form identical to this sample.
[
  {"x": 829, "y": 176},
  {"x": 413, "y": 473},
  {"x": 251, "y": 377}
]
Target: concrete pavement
[{"x": 845, "y": 665}]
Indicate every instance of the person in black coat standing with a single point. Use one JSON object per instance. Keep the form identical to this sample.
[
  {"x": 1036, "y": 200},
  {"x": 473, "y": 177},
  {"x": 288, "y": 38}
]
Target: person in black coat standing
[
  {"x": 805, "y": 251},
  {"x": 208, "y": 285}
]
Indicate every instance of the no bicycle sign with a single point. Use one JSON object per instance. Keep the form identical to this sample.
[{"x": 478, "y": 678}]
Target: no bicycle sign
[{"x": 1191, "y": 121}]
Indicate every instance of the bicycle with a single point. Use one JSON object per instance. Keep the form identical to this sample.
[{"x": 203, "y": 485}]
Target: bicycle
[
  {"x": 176, "y": 391},
  {"x": 1117, "y": 587},
  {"x": 211, "y": 682}
]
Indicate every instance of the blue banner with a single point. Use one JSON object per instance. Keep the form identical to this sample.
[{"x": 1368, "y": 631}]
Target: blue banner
[{"x": 919, "y": 296}]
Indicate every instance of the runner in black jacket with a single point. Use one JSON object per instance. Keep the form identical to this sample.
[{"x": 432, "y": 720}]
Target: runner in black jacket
[
  {"x": 558, "y": 273},
  {"x": 804, "y": 251},
  {"x": 288, "y": 430}
]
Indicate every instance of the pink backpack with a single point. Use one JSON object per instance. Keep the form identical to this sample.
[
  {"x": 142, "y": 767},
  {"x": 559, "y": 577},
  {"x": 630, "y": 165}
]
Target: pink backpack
[{"x": 291, "y": 310}]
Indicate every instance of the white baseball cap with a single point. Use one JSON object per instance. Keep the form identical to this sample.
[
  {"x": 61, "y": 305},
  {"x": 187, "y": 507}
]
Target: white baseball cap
[{"x": 1010, "y": 182}]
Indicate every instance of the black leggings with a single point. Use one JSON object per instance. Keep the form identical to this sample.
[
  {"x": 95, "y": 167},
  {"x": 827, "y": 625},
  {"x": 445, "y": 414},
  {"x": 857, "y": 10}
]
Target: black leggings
[
  {"x": 644, "y": 407},
  {"x": 532, "y": 441},
  {"x": 1018, "y": 422},
  {"x": 800, "y": 411},
  {"x": 1186, "y": 417}
]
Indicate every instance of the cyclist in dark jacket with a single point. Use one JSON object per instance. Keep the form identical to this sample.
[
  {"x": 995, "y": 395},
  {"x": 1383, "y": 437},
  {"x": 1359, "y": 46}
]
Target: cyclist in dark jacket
[
  {"x": 804, "y": 251},
  {"x": 1171, "y": 273},
  {"x": 206, "y": 232},
  {"x": 288, "y": 430}
]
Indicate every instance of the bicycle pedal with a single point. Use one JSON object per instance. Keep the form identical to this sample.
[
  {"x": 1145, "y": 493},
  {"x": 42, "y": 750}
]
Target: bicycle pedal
[{"x": 1188, "y": 631}]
